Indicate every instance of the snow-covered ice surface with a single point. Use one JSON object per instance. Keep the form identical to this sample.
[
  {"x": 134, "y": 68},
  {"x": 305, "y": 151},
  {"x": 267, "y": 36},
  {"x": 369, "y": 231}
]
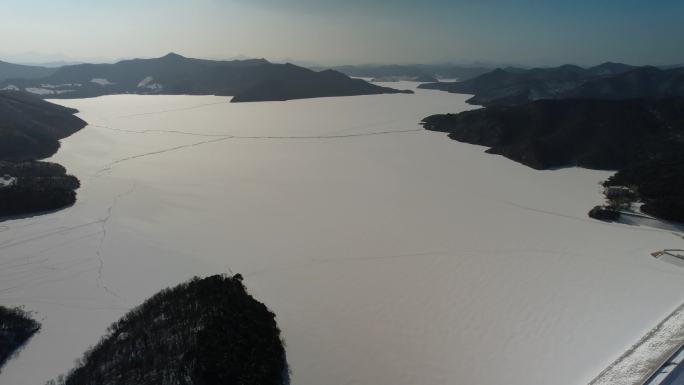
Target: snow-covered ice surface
[
  {"x": 61, "y": 85},
  {"x": 102, "y": 82},
  {"x": 40, "y": 91},
  {"x": 149, "y": 83},
  {"x": 46, "y": 91},
  {"x": 389, "y": 257}
]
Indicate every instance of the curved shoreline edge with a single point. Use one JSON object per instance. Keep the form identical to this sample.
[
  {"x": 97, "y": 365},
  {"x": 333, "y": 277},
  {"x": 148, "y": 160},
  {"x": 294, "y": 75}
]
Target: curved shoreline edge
[
  {"x": 30, "y": 131},
  {"x": 638, "y": 364}
]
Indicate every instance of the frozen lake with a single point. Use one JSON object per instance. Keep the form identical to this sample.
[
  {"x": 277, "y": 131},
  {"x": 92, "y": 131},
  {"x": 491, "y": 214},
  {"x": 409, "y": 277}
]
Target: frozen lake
[{"x": 391, "y": 255}]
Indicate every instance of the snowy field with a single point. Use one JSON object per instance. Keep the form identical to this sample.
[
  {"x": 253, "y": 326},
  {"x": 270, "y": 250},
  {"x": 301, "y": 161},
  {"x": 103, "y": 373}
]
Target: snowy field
[{"x": 391, "y": 255}]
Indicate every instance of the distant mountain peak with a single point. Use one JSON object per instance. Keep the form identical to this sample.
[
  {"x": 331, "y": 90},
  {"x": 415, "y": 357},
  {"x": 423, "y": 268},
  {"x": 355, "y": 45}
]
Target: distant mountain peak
[
  {"x": 574, "y": 67},
  {"x": 173, "y": 55},
  {"x": 611, "y": 64}
]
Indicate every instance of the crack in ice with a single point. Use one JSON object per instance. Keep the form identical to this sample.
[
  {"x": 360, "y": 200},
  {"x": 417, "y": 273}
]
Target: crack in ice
[
  {"x": 222, "y": 138},
  {"x": 98, "y": 252},
  {"x": 133, "y": 157},
  {"x": 274, "y": 137},
  {"x": 172, "y": 110},
  {"x": 58, "y": 231}
]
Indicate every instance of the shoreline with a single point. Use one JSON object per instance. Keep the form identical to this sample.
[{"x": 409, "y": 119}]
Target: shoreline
[{"x": 639, "y": 363}]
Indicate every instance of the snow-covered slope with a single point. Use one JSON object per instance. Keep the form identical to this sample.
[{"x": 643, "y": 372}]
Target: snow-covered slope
[{"x": 390, "y": 255}]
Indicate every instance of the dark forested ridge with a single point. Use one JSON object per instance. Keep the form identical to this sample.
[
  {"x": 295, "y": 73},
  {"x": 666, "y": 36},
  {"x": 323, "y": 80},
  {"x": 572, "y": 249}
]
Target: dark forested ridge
[
  {"x": 612, "y": 116},
  {"x": 594, "y": 134},
  {"x": 203, "y": 332},
  {"x": 246, "y": 80},
  {"x": 16, "y": 327},
  {"x": 644, "y": 139},
  {"x": 287, "y": 81},
  {"x": 19, "y": 71},
  {"x": 30, "y": 129},
  {"x": 658, "y": 182},
  {"x": 608, "y": 81},
  {"x": 38, "y": 187}
]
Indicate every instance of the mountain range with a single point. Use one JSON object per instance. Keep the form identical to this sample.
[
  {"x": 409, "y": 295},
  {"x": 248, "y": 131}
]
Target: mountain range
[
  {"x": 412, "y": 72},
  {"x": 245, "y": 80},
  {"x": 13, "y": 71},
  {"x": 608, "y": 81}
]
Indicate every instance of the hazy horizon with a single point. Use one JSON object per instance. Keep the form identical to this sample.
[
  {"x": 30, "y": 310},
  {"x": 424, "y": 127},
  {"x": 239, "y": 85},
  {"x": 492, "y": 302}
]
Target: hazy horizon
[
  {"x": 58, "y": 59},
  {"x": 529, "y": 32}
]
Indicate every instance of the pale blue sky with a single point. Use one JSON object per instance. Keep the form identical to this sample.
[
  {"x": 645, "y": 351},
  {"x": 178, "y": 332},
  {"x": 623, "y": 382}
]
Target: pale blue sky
[{"x": 352, "y": 31}]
